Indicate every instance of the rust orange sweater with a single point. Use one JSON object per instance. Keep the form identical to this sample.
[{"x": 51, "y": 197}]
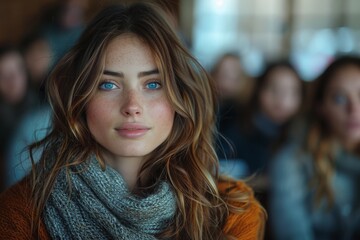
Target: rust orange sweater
[{"x": 15, "y": 214}]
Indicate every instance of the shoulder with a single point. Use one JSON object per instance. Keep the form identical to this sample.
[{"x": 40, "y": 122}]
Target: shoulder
[
  {"x": 16, "y": 196},
  {"x": 16, "y": 212},
  {"x": 247, "y": 217}
]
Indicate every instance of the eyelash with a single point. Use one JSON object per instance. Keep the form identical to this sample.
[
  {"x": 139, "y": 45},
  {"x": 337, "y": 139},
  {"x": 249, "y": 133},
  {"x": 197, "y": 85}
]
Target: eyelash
[
  {"x": 103, "y": 84},
  {"x": 158, "y": 85}
]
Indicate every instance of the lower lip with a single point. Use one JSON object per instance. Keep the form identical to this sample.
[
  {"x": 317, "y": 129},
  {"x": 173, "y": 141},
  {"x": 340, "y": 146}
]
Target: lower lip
[{"x": 132, "y": 133}]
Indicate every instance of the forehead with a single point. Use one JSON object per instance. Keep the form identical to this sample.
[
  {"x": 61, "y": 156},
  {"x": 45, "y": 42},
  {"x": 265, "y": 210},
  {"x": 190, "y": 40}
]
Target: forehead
[
  {"x": 128, "y": 48},
  {"x": 10, "y": 56},
  {"x": 11, "y": 62},
  {"x": 282, "y": 76},
  {"x": 346, "y": 79}
]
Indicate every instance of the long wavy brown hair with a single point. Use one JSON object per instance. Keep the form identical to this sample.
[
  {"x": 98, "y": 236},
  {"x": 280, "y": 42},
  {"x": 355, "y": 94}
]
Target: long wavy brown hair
[
  {"x": 186, "y": 159},
  {"x": 320, "y": 140}
]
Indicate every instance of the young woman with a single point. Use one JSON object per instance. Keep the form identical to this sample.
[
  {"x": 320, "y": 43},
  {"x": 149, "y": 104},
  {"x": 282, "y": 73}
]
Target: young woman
[
  {"x": 130, "y": 154},
  {"x": 233, "y": 88},
  {"x": 274, "y": 103},
  {"x": 230, "y": 80},
  {"x": 315, "y": 190}
]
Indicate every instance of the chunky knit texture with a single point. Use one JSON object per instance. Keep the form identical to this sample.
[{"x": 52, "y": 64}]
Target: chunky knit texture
[
  {"x": 101, "y": 207},
  {"x": 15, "y": 214}
]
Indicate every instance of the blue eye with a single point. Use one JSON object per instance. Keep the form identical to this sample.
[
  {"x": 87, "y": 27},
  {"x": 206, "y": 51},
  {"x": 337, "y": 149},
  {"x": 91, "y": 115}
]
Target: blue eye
[
  {"x": 107, "y": 86},
  {"x": 340, "y": 99},
  {"x": 153, "y": 85}
]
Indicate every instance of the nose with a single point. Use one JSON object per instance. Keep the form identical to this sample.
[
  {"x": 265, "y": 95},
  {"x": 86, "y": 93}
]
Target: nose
[{"x": 131, "y": 104}]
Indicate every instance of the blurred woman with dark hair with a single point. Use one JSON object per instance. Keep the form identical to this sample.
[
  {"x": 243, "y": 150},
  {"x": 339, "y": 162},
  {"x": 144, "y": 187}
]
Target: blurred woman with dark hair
[
  {"x": 273, "y": 105},
  {"x": 15, "y": 98},
  {"x": 315, "y": 190}
]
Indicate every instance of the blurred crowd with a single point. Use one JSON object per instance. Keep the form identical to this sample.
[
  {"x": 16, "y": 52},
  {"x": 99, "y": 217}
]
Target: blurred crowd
[
  {"x": 297, "y": 143},
  {"x": 24, "y": 111}
]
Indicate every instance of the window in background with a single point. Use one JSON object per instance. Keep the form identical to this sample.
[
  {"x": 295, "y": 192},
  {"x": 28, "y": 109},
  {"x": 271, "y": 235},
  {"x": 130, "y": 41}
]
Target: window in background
[
  {"x": 215, "y": 28},
  {"x": 249, "y": 28},
  {"x": 318, "y": 37},
  {"x": 263, "y": 30}
]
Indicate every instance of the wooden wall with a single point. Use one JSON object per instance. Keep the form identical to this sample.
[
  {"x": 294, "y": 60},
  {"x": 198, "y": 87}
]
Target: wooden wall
[{"x": 19, "y": 17}]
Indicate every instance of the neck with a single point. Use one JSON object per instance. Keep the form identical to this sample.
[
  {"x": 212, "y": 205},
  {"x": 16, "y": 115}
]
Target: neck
[{"x": 128, "y": 167}]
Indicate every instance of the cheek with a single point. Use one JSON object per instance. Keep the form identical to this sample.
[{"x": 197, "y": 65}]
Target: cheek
[
  {"x": 266, "y": 100},
  {"x": 292, "y": 103},
  {"x": 167, "y": 113},
  {"x": 98, "y": 113},
  {"x": 332, "y": 112},
  {"x": 162, "y": 113},
  {"x": 334, "y": 117}
]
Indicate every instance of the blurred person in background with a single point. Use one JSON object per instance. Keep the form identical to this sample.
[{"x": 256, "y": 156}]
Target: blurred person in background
[
  {"x": 13, "y": 76},
  {"x": 274, "y": 104},
  {"x": 62, "y": 26},
  {"x": 230, "y": 79},
  {"x": 34, "y": 123},
  {"x": 38, "y": 58},
  {"x": 33, "y": 126},
  {"x": 315, "y": 191},
  {"x": 42, "y": 48},
  {"x": 14, "y": 97},
  {"x": 270, "y": 118},
  {"x": 233, "y": 90},
  {"x": 264, "y": 125}
]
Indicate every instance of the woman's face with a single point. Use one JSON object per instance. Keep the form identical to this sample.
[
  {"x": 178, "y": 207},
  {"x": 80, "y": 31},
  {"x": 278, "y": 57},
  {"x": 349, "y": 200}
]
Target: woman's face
[
  {"x": 280, "y": 97},
  {"x": 13, "y": 79},
  {"x": 341, "y": 105},
  {"x": 229, "y": 78},
  {"x": 38, "y": 60},
  {"x": 130, "y": 114}
]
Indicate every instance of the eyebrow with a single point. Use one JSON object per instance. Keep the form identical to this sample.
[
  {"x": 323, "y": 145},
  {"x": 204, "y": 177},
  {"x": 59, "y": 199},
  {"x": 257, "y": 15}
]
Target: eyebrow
[
  {"x": 112, "y": 73},
  {"x": 140, "y": 74},
  {"x": 146, "y": 73}
]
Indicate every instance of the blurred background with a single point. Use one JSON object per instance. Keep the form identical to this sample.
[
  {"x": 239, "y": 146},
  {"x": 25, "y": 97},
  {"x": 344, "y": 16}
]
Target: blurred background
[
  {"x": 235, "y": 40},
  {"x": 307, "y": 31},
  {"x": 310, "y": 32}
]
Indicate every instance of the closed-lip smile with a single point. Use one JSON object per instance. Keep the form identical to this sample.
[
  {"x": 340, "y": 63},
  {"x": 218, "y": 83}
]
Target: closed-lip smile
[{"x": 132, "y": 130}]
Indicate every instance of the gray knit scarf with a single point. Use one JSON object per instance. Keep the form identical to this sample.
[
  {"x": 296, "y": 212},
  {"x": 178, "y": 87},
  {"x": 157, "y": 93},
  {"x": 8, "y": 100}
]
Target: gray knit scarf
[{"x": 100, "y": 206}]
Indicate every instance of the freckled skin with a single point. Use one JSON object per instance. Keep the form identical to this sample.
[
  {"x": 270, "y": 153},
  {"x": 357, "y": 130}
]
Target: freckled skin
[{"x": 131, "y": 100}]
